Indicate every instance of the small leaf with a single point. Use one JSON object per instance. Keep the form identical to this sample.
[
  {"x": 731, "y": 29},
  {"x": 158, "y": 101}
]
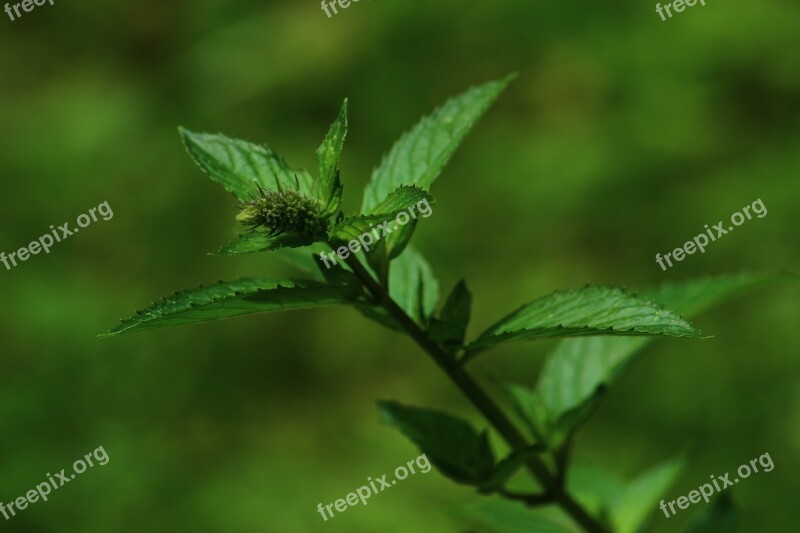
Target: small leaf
[
  {"x": 399, "y": 201},
  {"x": 720, "y": 517},
  {"x": 257, "y": 241},
  {"x": 505, "y": 469},
  {"x": 239, "y": 165},
  {"x": 234, "y": 298},
  {"x": 460, "y": 452},
  {"x": 413, "y": 285},
  {"x": 328, "y": 155},
  {"x": 530, "y": 407},
  {"x": 592, "y": 310},
  {"x": 419, "y": 155},
  {"x": 640, "y": 497},
  {"x": 451, "y": 326},
  {"x": 552, "y": 431}
]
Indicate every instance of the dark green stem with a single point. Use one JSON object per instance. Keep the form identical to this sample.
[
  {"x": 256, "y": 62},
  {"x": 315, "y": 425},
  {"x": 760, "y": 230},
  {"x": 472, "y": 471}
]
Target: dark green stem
[{"x": 479, "y": 398}]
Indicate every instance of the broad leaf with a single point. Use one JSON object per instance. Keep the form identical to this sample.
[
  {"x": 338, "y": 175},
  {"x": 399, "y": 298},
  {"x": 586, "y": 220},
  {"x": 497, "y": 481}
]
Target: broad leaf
[
  {"x": 239, "y": 165},
  {"x": 419, "y": 155},
  {"x": 451, "y": 326},
  {"x": 579, "y": 368},
  {"x": 640, "y": 498},
  {"x": 328, "y": 154},
  {"x": 234, "y": 298},
  {"x": 589, "y": 311},
  {"x": 452, "y": 444},
  {"x": 258, "y": 241}
]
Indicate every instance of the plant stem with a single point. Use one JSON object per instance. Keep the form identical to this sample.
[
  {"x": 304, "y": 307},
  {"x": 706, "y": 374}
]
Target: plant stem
[{"x": 479, "y": 398}]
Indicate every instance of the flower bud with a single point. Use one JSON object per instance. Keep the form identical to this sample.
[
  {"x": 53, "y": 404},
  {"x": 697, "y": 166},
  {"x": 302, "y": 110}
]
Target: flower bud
[{"x": 284, "y": 211}]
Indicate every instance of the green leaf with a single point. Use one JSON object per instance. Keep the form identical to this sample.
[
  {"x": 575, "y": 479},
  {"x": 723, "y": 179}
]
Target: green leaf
[
  {"x": 239, "y": 165},
  {"x": 420, "y": 154},
  {"x": 400, "y": 200},
  {"x": 451, "y": 326},
  {"x": 328, "y": 155},
  {"x": 552, "y": 431},
  {"x": 257, "y": 241},
  {"x": 502, "y": 516},
  {"x": 530, "y": 408},
  {"x": 505, "y": 469},
  {"x": 234, "y": 298},
  {"x": 592, "y": 310},
  {"x": 578, "y": 368},
  {"x": 413, "y": 285},
  {"x": 640, "y": 497},
  {"x": 452, "y": 444},
  {"x": 720, "y": 517}
]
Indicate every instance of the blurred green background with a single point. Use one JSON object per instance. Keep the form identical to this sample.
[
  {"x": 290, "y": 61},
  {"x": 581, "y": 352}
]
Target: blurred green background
[{"x": 621, "y": 138}]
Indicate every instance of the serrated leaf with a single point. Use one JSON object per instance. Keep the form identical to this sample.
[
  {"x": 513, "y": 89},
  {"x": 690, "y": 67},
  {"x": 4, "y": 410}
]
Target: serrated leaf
[
  {"x": 451, "y": 444},
  {"x": 234, "y": 298},
  {"x": 578, "y": 368},
  {"x": 451, "y": 326},
  {"x": 399, "y": 201},
  {"x": 239, "y": 165},
  {"x": 257, "y": 241},
  {"x": 593, "y": 310},
  {"x": 419, "y": 155},
  {"x": 720, "y": 517},
  {"x": 414, "y": 286},
  {"x": 328, "y": 155},
  {"x": 505, "y": 469},
  {"x": 640, "y": 497}
]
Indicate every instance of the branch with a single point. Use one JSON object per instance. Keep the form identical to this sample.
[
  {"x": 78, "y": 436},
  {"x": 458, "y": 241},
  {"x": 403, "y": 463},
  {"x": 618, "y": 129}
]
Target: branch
[{"x": 478, "y": 397}]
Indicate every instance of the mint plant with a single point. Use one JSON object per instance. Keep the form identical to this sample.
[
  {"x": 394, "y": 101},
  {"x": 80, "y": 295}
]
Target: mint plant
[{"x": 285, "y": 210}]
